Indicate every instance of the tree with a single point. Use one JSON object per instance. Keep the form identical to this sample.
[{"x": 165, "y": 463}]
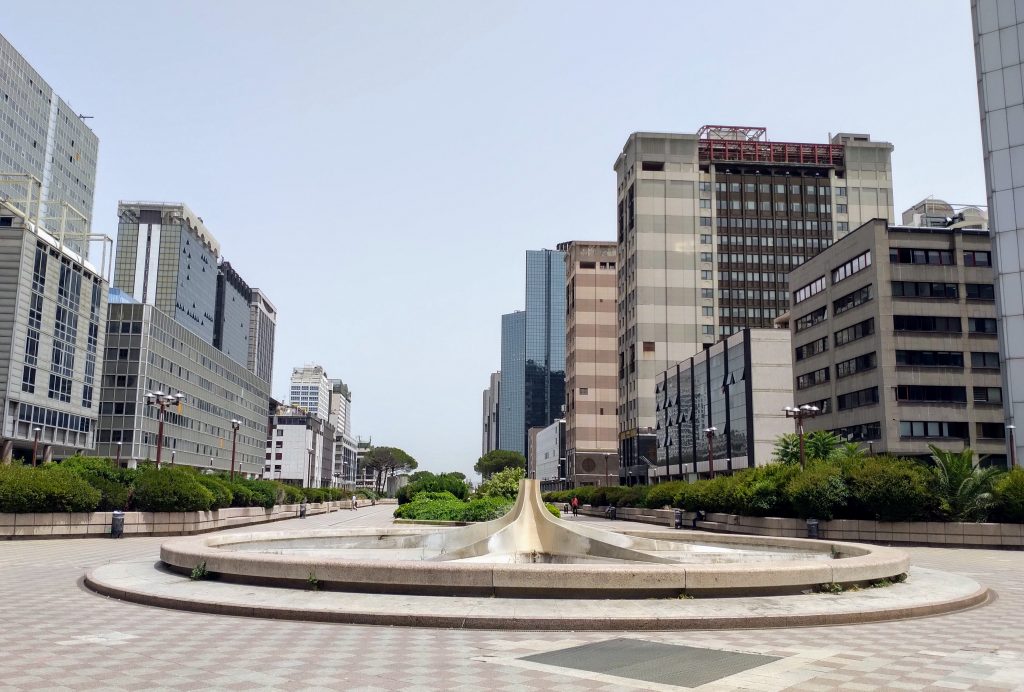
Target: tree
[
  {"x": 385, "y": 462},
  {"x": 504, "y": 483},
  {"x": 497, "y": 460},
  {"x": 820, "y": 444},
  {"x": 848, "y": 452},
  {"x": 787, "y": 449},
  {"x": 964, "y": 490}
]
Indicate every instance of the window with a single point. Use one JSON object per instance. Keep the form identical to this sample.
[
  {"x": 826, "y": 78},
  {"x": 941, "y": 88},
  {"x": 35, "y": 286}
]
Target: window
[
  {"x": 584, "y": 391},
  {"x": 708, "y": 311},
  {"x": 708, "y": 329},
  {"x": 705, "y": 275},
  {"x": 862, "y": 397},
  {"x": 705, "y": 221},
  {"x": 840, "y": 208},
  {"x": 981, "y": 325},
  {"x": 705, "y": 238},
  {"x": 917, "y": 428},
  {"x": 705, "y": 186},
  {"x": 930, "y": 359},
  {"x": 706, "y": 257},
  {"x": 858, "y": 263},
  {"x": 980, "y": 291},
  {"x": 28, "y": 379},
  {"x": 824, "y": 405},
  {"x": 810, "y": 319},
  {"x": 868, "y": 361},
  {"x": 812, "y": 349},
  {"x": 977, "y": 258},
  {"x": 862, "y": 432},
  {"x": 812, "y": 378},
  {"x": 851, "y": 300},
  {"x": 707, "y": 293},
  {"x": 816, "y": 286},
  {"x": 932, "y": 394},
  {"x": 988, "y": 395},
  {"x": 984, "y": 360},
  {"x": 588, "y": 265},
  {"x": 925, "y": 323},
  {"x": 648, "y": 347},
  {"x": 991, "y": 431},
  {"x": 840, "y": 192},
  {"x": 924, "y": 289},
  {"x": 734, "y": 187},
  {"x": 278, "y": 456},
  {"x": 843, "y": 226},
  {"x": 906, "y": 255},
  {"x": 652, "y": 165},
  {"x": 857, "y": 331}
]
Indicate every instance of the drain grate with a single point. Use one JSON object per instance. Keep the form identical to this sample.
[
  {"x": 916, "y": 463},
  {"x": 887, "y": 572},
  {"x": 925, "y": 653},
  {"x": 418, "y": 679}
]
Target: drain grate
[{"x": 666, "y": 664}]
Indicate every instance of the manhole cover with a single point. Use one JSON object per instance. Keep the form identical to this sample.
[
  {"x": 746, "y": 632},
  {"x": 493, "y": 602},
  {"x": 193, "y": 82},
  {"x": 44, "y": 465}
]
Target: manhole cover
[{"x": 667, "y": 664}]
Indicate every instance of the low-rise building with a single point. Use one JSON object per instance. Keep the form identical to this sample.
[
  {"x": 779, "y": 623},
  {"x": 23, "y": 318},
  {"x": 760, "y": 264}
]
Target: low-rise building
[
  {"x": 895, "y": 337},
  {"x": 551, "y": 468},
  {"x": 737, "y": 388},
  {"x": 299, "y": 450}
]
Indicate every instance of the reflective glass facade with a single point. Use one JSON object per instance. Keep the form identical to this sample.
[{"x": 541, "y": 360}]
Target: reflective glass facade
[
  {"x": 544, "y": 385},
  {"x": 511, "y": 404}
]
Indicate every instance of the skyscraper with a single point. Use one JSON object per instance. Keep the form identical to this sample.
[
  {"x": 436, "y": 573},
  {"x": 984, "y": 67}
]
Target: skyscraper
[
  {"x": 311, "y": 390},
  {"x": 45, "y": 138},
  {"x": 709, "y": 226},
  {"x": 231, "y": 330},
  {"x": 262, "y": 325},
  {"x": 491, "y": 397},
  {"x": 511, "y": 405},
  {"x": 997, "y": 26}
]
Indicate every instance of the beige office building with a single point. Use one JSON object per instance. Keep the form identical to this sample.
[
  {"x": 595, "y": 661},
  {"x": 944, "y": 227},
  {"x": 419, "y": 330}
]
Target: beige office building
[
  {"x": 590, "y": 355},
  {"x": 709, "y": 227},
  {"x": 895, "y": 336}
]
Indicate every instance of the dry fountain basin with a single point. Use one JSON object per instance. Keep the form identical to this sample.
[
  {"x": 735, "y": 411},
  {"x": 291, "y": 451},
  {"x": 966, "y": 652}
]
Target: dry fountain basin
[{"x": 532, "y": 554}]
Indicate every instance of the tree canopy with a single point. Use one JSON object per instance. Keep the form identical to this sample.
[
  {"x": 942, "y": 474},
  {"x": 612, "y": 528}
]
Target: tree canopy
[
  {"x": 497, "y": 460},
  {"x": 386, "y": 462}
]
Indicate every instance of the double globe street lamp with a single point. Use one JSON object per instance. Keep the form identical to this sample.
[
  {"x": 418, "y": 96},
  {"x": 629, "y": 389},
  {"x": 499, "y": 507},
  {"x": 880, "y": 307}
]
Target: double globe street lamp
[
  {"x": 799, "y": 414},
  {"x": 235, "y": 424},
  {"x": 162, "y": 401}
]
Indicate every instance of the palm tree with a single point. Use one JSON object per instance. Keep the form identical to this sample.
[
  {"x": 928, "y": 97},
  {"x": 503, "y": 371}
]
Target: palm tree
[
  {"x": 848, "y": 452},
  {"x": 820, "y": 444},
  {"x": 964, "y": 490},
  {"x": 787, "y": 449}
]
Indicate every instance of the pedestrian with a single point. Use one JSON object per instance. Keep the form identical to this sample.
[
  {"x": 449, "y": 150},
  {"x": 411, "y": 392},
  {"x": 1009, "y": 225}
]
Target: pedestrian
[
  {"x": 302, "y": 509},
  {"x": 575, "y": 506},
  {"x": 355, "y": 505}
]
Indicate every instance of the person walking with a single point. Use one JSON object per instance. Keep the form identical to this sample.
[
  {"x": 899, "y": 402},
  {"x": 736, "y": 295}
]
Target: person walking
[
  {"x": 302, "y": 509},
  {"x": 354, "y": 505},
  {"x": 575, "y": 506}
]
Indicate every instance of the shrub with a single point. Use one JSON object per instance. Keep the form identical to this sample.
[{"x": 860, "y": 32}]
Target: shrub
[
  {"x": 485, "y": 508},
  {"x": 170, "y": 490},
  {"x": 288, "y": 494},
  {"x": 26, "y": 489},
  {"x": 315, "y": 494},
  {"x": 889, "y": 489},
  {"x": 763, "y": 490},
  {"x": 441, "y": 506},
  {"x": 241, "y": 494},
  {"x": 554, "y": 510},
  {"x": 625, "y": 495},
  {"x": 264, "y": 493},
  {"x": 663, "y": 494},
  {"x": 114, "y": 483},
  {"x": 222, "y": 495},
  {"x": 819, "y": 491},
  {"x": 113, "y": 496},
  {"x": 429, "y": 482},
  {"x": 1009, "y": 491},
  {"x": 504, "y": 483}
]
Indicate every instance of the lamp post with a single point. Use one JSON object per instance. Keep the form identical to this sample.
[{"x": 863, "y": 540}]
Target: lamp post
[
  {"x": 799, "y": 414},
  {"x": 235, "y": 424},
  {"x": 871, "y": 448},
  {"x": 161, "y": 401},
  {"x": 174, "y": 453},
  {"x": 1013, "y": 446},
  {"x": 118, "y": 455},
  {"x": 710, "y": 432},
  {"x": 605, "y": 455},
  {"x": 35, "y": 443}
]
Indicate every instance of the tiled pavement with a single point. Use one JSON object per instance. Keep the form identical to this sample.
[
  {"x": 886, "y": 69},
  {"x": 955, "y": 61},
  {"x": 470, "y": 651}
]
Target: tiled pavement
[{"x": 56, "y": 635}]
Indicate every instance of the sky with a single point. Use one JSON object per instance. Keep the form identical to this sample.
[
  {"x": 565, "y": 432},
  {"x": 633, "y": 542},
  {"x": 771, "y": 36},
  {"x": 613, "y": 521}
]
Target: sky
[{"x": 380, "y": 168}]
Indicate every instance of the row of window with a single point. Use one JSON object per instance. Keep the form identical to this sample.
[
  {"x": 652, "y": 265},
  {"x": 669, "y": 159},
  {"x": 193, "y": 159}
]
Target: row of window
[
  {"x": 972, "y": 258},
  {"x": 855, "y": 332},
  {"x": 765, "y": 225},
  {"x": 766, "y": 188},
  {"x": 812, "y": 349},
  {"x": 926, "y": 289},
  {"x": 980, "y": 360},
  {"x": 861, "y": 397},
  {"x": 768, "y": 206},
  {"x": 851, "y": 267},
  {"x": 948, "y": 325}
]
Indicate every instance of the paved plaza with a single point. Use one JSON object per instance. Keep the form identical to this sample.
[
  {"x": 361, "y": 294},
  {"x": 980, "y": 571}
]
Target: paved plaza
[{"x": 55, "y": 634}]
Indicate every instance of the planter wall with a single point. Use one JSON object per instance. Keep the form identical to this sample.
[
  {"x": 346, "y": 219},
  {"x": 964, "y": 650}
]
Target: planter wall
[{"x": 934, "y": 533}]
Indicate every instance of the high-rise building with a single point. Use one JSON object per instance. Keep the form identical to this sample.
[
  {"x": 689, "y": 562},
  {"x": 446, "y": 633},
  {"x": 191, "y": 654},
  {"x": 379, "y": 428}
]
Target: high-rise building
[
  {"x": 709, "y": 227},
  {"x": 166, "y": 257},
  {"x": 997, "y": 25},
  {"x": 231, "y": 328},
  {"x": 491, "y": 398},
  {"x": 46, "y": 138},
  {"x": 262, "y": 325},
  {"x": 147, "y": 350},
  {"x": 299, "y": 449},
  {"x": 512, "y": 403},
  {"x": 590, "y": 354},
  {"x": 895, "y": 338},
  {"x": 311, "y": 390},
  {"x": 344, "y": 444},
  {"x": 52, "y": 309}
]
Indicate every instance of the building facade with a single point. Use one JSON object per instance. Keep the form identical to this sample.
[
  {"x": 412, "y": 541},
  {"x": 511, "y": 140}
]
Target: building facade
[
  {"x": 299, "y": 452},
  {"x": 166, "y": 257},
  {"x": 344, "y": 448},
  {"x": 551, "y": 466},
  {"x": 709, "y": 227},
  {"x": 739, "y": 386},
  {"x": 591, "y": 392},
  {"x": 262, "y": 327},
  {"x": 895, "y": 339},
  {"x": 45, "y": 138},
  {"x": 231, "y": 328},
  {"x": 997, "y": 26},
  {"x": 147, "y": 350},
  {"x": 512, "y": 403},
  {"x": 544, "y": 380},
  {"x": 491, "y": 428},
  {"x": 52, "y": 309},
  {"x": 311, "y": 389}
]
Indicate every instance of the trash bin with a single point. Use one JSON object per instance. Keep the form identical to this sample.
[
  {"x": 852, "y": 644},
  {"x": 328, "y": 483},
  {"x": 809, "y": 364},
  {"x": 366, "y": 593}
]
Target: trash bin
[
  {"x": 812, "y": 528},
  {"x": 678, "y": 517},
  {"x": 117, "y": 524}
]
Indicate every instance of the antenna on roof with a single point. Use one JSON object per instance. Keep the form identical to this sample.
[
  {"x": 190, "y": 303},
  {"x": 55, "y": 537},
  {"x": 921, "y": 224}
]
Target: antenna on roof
[{"x": 85, "y": 117}]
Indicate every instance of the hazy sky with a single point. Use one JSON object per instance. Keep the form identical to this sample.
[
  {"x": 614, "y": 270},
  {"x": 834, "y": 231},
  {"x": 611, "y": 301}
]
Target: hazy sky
[{"x": 380, "y": 168}]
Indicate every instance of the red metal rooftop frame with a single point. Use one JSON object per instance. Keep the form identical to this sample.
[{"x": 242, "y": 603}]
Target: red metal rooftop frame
[
  {"x": 733, "y": 132},
  {"x": 746, "y": 145}
]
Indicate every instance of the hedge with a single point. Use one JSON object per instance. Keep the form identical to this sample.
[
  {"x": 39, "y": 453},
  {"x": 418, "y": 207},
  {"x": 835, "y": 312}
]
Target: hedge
[
  {"x": 170, "y": 490},
  {"x": 1009, "y": 492},
  {"x": 26, "y": 489},
  {"x": 444, "y": 506}
]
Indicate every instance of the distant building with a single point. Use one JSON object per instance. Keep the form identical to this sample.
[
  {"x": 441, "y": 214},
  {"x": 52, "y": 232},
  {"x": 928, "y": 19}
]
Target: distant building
[
  {"x": 300, "y": 450},
  {"x": 344, "y": 450},
  {"x": 231, "y": 329},
  {"x": 551, "y": 467},
  {"x": 365, "y": 477},
  {"x": 895, "y": 338},
  {"x": 262, "y": 327},
  {"x": 46, "y": 138},
  {"x": 54, "y": 307},
  {"x": 491, "y": 403},
  {"x": 739, "y": 386},
  {"x": 591, "y": 391},
  {"x": 512, "y": 403},
  {"x": 531, "y": 451},
  {"x": 311, "y": 389}
]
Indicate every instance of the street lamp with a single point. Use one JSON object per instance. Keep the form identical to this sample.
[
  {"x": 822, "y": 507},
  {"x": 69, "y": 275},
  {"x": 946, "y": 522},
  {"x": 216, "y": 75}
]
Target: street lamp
[
  {"x": 1013, "y": 447},
  {"x": 161, "y": 401},
  {"x": 871, "y": 448},
  {"x": 174, "y": 453},
  {"x": 799, "y": 414},
  {"x": 234, "y": 437},
  {"x": 710, "y": 432},
  {"x": 118, "y": 455},
  {"x": 35, "y": 443}
]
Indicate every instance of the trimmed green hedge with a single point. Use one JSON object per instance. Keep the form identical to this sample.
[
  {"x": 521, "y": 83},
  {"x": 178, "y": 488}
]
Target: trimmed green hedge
[
  {"x": 26, "y": 489},
  {"x": 170, "y": 490},
  {"x": 444, "y": 506},
  {"x": 1009, "y": 491}
]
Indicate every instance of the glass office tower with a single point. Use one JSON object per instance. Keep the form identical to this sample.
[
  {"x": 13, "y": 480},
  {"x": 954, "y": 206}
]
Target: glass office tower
[
  {"x": 544, "y": 382},
  {"x": 511, "y": 412}
]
